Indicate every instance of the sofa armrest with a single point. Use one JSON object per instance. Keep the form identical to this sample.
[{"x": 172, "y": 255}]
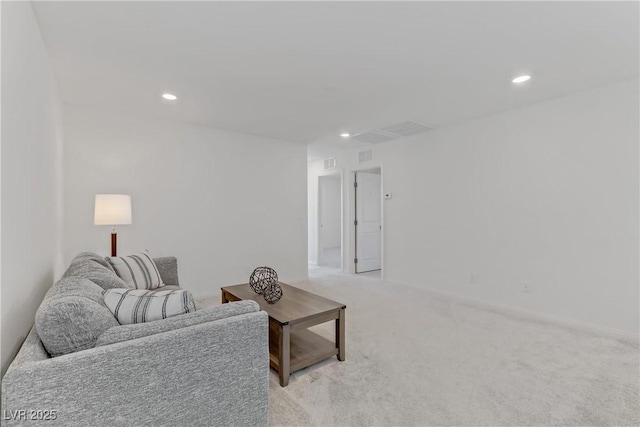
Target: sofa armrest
[
  {"x": 209, "y": 314},
  {"x": 214, "y": 373},
  {"x": 168, "y": 268}
]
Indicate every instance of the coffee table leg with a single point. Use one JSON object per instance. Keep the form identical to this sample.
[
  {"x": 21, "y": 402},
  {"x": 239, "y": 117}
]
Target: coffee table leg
[
  {"x": 224, "y": 297},
  {"x": 340, "y": 335},
  {"x": 284, "y": 356}
]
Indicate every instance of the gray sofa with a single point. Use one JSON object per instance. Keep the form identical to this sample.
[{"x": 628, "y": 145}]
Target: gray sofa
[{"x": 209, "y": 367}]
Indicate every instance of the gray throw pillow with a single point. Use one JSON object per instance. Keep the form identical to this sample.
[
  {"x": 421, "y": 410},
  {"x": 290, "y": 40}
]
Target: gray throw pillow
[
  {"x": 72, "y": 316},
  {"x": 92, "y": 256}
]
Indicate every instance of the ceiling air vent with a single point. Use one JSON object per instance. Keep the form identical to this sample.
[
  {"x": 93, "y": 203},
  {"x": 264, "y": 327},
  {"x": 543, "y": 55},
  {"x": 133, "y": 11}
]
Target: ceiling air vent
[
  {"x": 407, "y": 128},
  {"x": 365, "y": 156},
  {"x": 391, "y": 132},
  {"x": 373, "y": 137},
  {"x": 330, "y": 163}
]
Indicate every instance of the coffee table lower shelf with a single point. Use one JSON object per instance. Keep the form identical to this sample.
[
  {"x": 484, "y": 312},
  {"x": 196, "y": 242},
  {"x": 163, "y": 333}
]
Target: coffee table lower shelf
[{"x": 307, "y": 348}]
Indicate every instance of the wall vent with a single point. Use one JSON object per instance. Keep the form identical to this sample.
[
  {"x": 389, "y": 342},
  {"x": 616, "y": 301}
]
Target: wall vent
[
  {"x": 365, "y": 156},
  {"x": 330, "y": 163}
]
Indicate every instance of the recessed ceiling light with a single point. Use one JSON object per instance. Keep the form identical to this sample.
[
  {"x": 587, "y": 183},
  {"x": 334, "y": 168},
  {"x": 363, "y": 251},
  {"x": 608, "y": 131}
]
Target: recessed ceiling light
[
  {"x": 345, "y": 135},
  {"x": 521, "y": 79},
  {"x": 169, "y": 96}
]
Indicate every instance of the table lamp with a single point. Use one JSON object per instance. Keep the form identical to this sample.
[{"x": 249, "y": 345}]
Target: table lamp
[{"x": 112, "y": 209}]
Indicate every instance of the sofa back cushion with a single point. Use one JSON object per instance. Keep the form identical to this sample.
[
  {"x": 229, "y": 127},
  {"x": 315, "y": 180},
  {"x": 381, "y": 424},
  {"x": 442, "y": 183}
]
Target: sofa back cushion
[
  {"x": 168, "y": 268},
  {"x": 95, "y": 268},
  {"x": 72, "y": 316}
]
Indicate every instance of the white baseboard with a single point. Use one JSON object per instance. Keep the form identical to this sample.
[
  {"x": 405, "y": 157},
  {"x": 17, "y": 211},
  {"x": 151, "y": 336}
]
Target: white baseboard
[{"x": 529, "y": 313}]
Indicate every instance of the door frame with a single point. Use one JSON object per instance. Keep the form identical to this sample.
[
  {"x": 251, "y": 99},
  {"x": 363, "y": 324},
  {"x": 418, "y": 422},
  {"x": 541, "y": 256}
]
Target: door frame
[
  {"x": 339, "y": 174},
  {"x": 352, "y": 215}
]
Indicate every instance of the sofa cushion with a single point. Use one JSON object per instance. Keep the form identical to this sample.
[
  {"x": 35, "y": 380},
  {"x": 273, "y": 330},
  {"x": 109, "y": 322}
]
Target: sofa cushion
[
  {"x": 168, "y": 268},
  {"x": 138, "y": 306},
  {"x": 139, "y": 270},
  {"x": 72, "y": 316},
  {"x": 95, "y": 268},
  {"x": 209, "y": 314}
]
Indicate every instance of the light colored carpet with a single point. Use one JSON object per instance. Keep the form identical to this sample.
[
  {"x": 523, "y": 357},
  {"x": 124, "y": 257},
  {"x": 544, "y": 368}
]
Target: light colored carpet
[{"x": 420, "y": 358}]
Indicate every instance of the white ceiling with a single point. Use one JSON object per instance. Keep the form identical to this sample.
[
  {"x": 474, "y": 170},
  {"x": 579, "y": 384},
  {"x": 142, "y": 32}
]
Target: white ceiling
[{"x": 306, "y": 71}]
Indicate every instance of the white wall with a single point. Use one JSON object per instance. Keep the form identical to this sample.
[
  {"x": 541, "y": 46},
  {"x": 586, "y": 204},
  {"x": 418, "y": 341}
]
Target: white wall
[
  {"x": 331, "y": 211},
  {"x": 31, "y": 174},
  {"x": 545, "y": 195},
  {"x": 222, "y": 202}
]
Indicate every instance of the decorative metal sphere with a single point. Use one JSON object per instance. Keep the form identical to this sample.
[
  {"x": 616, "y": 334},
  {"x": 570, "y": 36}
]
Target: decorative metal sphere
[
  {"x": 272, "y": 293},
  {"x": 261, "y": 278}
]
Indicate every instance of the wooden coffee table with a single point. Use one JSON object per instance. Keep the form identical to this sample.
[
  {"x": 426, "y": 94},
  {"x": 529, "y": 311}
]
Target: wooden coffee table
[{"x": 291, "y": 345}]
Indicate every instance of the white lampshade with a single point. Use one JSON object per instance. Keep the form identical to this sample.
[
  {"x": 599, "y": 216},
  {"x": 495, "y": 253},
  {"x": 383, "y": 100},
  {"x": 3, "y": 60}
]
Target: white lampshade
[{"x": 112, "y": 209}]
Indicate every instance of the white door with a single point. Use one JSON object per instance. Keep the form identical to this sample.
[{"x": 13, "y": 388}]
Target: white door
[{"x": 368, "y": 221}]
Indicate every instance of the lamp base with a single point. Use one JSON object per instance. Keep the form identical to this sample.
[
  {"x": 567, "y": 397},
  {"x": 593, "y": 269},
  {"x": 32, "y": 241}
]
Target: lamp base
[{"x": 114, "y": 243}]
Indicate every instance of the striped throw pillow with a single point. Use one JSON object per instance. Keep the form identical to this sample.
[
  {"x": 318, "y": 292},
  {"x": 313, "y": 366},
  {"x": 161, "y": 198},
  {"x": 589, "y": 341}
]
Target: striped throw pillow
[
  {"x": 138, "y": 305},
  {"x": 138, "y": 271}
]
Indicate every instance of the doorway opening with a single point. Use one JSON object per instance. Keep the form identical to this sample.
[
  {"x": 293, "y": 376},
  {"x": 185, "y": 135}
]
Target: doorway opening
[
  {"x": 368, "y": 220},
  {"x": 330, "y": 221}
]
